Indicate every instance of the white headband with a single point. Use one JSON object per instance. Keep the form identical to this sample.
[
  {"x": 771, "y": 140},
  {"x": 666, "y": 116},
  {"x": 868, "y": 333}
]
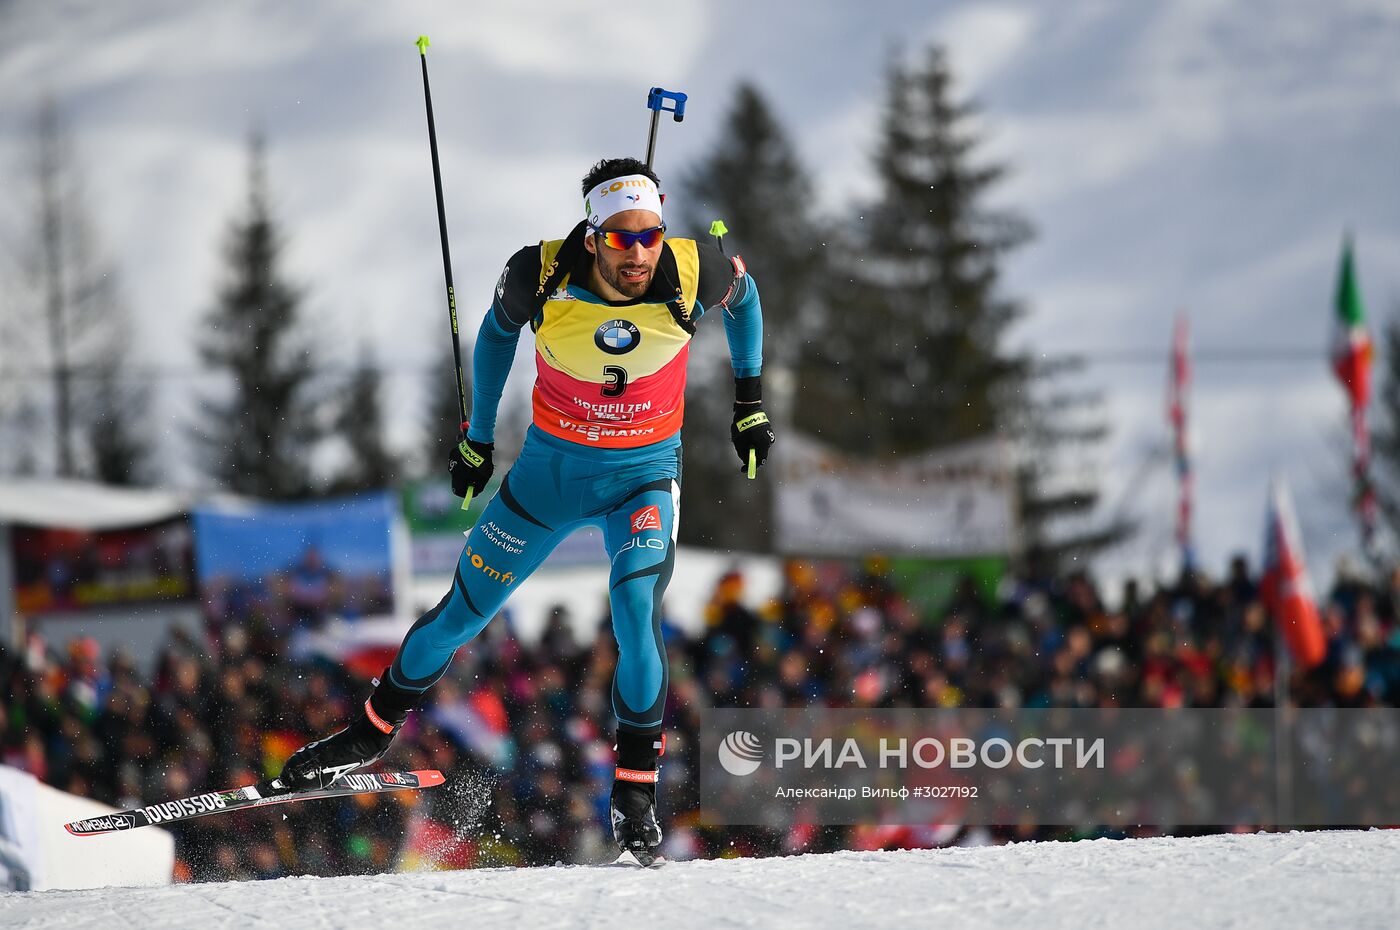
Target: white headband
[{"x": 629, "y": 192}]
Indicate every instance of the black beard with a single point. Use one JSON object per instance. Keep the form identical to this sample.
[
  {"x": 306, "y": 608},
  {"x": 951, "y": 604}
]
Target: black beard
[{"x": 612, "y": 274}]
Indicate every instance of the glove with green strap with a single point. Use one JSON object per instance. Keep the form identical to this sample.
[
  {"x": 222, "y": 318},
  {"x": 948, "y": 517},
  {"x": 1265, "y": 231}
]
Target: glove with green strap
[
  {"x": 470, "y": 465},
  {"x": 751, "y": 432}
]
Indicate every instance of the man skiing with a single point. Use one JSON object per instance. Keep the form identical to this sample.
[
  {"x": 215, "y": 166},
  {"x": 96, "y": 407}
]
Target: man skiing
[{"x": 613, "y": 307}]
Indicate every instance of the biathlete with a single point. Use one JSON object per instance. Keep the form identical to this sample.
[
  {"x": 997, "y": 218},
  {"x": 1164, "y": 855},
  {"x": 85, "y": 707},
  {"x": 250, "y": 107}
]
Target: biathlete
[{"x": 613, "y": 307}]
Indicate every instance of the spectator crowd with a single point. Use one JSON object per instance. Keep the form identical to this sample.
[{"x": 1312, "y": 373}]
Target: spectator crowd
[{"x": 523, "y": 729}]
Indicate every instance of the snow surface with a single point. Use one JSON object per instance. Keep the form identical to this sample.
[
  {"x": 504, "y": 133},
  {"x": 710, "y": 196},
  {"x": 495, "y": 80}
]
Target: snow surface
[{"x": 1345, "y": 879}]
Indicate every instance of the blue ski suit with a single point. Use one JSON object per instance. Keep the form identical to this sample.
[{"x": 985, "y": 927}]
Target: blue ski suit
[{"x": 604, "y": 450}]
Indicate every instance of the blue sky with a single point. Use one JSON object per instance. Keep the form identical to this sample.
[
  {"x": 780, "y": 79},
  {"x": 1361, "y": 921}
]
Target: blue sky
[{"x": 1188, "y": 156}]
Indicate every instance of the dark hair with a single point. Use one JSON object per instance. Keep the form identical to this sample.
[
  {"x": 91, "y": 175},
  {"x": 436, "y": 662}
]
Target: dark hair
[{"x": 616, "y": 168}]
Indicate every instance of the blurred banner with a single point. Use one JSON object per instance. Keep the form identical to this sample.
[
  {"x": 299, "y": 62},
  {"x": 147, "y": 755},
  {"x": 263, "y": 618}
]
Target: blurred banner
[
  {"x": 933, "y": 585},
  {"x": 66, "y": 570},
  {"x": 953, "y": 502},
  {"x": 288, "y": 564},
  {"x": 437, "y": 526}
]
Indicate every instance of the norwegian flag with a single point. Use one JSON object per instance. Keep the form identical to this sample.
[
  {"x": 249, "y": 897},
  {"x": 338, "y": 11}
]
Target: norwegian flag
[
  {"x": 1286, "y": 591},
  {"x": 1178, "y": 392}
]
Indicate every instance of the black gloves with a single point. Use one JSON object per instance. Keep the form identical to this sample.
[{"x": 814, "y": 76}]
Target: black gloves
[
  {"x": 750, "y": 430},
  {"x": 470, "y": 466}
]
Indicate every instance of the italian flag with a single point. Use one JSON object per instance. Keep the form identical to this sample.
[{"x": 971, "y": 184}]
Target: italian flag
[
  {"x": 1351, "y": 360},
  {"x": 1351, "y": 345}
]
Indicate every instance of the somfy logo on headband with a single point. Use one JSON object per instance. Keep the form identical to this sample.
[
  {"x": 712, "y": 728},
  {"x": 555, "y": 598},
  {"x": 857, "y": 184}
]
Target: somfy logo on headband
[
  {"x": 635, "y": 180},
  {"x": 639, "y": 192}
]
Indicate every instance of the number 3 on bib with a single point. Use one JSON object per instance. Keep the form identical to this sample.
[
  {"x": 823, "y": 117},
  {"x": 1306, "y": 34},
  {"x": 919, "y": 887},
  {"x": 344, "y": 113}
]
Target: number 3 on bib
[{"x": 617, "y": 380}]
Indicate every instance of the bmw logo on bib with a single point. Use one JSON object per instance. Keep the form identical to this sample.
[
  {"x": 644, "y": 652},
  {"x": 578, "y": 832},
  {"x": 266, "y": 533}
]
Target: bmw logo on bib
[{"x": 617, "y": 337}]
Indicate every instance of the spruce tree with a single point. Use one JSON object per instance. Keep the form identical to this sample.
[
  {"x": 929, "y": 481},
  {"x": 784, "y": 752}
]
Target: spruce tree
[
  {"x": 360, "y": 425},
  {"x": 258, "y": 433},
  {"x": 442, "y": 413},
  {"x": 914, "y": 356},
  {"x": 118, "y": 441},
  {"x": 752, "y": 180},
  {"x": 914, "y": 352}
]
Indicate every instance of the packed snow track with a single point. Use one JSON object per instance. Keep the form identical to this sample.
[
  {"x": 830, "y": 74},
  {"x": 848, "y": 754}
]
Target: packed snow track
[{"x": 1342, "y": 878}]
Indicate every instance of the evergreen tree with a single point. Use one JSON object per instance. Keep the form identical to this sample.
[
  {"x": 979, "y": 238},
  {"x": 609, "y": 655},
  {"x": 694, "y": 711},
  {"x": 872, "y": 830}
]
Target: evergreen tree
[
  {"x": 913, "y": 355},
  {"x": 442, "y": 414},
  {"x": 76, "y": 325},
  {"x": 257, "y": 436},
  {"x": 753, "y": 181},
  {"x": 1061, "y": 432},
  {"x": 114, "y": 425},
  {"x": 360, "y": 424}
]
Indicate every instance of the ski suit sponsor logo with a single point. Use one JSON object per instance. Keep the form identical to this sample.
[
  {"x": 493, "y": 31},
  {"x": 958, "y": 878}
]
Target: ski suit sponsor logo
[
  {"x": 545, "y": 275},
  {"x": 648, "y": 518},
  {"x": 185, "y": 807},
  {"x": 612, "y": 413},
  {"x": 501, "y": 283},
  {"x": 641, "y": 542},
  {"x": 617, "y": 337},
  {"x": 478, "y": 563},
  {"x": 512, "y": 545},
  {"x": 593, "y": 432}
]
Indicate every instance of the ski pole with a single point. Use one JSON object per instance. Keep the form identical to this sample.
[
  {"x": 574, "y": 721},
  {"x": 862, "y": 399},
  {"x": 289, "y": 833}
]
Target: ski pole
[
  {"x": 422, "y": 44},
  {"x": 656, "y": 102}
]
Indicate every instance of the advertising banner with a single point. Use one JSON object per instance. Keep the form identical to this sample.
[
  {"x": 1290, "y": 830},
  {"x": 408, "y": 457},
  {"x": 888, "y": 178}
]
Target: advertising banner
[
  {"x": 296, "y": 563},
  {"x": 950, "y": 503},
  {"x": 67, "y": 570}
]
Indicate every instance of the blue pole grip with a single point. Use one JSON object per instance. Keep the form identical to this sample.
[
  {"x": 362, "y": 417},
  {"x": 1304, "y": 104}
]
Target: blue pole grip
[{"x": 657, "y": 97}]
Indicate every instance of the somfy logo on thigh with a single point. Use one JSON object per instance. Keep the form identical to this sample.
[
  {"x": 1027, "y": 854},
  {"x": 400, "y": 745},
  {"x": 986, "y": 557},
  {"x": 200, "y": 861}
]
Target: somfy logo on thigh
[{"x": 741, "y": 753}]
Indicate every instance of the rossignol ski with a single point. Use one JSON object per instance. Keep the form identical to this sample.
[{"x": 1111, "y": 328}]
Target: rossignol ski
[{"x": 218, "y": 802}]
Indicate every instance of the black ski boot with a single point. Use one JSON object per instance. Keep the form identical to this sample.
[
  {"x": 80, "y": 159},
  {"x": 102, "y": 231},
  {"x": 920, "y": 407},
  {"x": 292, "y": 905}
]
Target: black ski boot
[
  {"x": 634, "y": 824},
  {"x": 363, "y": 742}
]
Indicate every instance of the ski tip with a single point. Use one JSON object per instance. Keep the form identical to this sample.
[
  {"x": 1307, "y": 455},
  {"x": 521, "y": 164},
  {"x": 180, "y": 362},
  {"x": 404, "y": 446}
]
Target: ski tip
[
  {"x": 430, "y": 778},
  {"x": 69, "y": 828},
  {"x": 646, "y": 860}
]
